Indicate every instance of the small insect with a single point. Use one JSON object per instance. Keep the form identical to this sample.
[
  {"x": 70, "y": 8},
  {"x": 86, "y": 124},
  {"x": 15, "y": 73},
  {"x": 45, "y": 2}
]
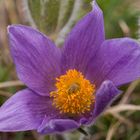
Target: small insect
[{"x": 73, "y": 88}]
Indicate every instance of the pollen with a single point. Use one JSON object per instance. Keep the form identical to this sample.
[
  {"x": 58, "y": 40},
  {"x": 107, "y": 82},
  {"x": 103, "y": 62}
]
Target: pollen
[{"x": 75, "y": 95}]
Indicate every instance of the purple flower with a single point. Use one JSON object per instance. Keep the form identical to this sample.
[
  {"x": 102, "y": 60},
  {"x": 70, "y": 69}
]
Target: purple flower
[{"x": 68, "y": 87}]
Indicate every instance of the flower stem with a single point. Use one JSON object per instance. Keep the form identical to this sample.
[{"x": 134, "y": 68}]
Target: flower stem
[{"x": 82, "y": 131}]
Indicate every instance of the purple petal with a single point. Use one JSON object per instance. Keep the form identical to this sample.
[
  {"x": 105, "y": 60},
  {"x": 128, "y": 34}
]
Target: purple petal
[
  {"x": 36, "y": 58},
  {"x": 105, "y": 95},
  {"x": 25, "y": 111},
  {"x": 84, "y": 40},
  {"x": 117, "y": 60},
  {"x": 57, "y": 126}
]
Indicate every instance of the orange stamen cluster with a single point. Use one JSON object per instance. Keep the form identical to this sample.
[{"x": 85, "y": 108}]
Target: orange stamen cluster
[{"x": 74, "y": 94}]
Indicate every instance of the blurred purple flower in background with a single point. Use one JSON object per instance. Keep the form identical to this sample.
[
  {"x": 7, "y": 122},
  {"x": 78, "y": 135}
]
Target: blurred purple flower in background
[{"x": 67, "y": 87}]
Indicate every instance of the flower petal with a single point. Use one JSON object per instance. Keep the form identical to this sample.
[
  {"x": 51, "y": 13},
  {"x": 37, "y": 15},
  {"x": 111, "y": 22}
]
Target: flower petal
[
  {"x": 104, "y": 96},
  {"x": 36, "y": 58},
  {"x": 57, "y": 126},
  {"x": 83, "y": 41},
  {"x": 25, "y": 111},
  {"x": 117, "y": 60}
]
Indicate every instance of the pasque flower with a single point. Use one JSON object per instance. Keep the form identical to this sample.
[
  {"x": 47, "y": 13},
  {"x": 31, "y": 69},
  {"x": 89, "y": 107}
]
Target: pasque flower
[{"x": 67, "y": 87}]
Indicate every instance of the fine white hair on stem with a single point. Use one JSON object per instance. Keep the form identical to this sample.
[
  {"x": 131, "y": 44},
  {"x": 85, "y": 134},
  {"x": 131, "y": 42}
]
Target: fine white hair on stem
[
  {"x": 73, "y": 18},
  {"x": 64, "y": 6},
  {"x": 43, "y": 6},
  {"x": 25, "y": 13},
  {"x": 93, "y": 3}
]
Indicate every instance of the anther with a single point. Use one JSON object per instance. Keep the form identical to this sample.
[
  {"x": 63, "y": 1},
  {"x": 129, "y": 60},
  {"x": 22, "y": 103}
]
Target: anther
[{"x": 74, "y": 94}]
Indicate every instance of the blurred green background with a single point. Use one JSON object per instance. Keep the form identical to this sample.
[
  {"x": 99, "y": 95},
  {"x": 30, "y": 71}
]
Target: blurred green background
[{"x": 56, "y": 18}]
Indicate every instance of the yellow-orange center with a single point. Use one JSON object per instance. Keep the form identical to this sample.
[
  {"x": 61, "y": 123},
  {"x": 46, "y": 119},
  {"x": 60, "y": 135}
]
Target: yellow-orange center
[{"x": 74, "y": 94}]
